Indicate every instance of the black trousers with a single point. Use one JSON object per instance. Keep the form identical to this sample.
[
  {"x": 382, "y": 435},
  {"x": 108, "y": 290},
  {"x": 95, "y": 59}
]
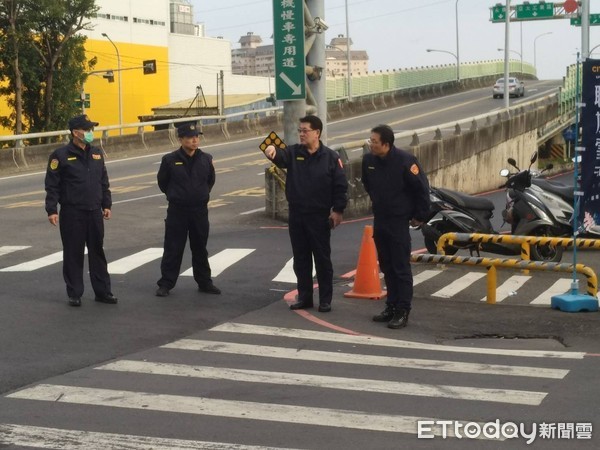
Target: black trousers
[
  {"x": 392, "y": 239},
  {"x": 78, "y": 229},
  {"x": 180, "y": 223},
  {"x": 310, "y": 237}
]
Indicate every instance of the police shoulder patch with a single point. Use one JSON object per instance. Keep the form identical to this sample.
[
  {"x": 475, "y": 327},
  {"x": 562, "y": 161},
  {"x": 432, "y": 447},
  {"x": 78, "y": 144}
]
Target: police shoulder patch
[
  {"x": 54, "y": 164},
  {"x": 414, "y": 169}
]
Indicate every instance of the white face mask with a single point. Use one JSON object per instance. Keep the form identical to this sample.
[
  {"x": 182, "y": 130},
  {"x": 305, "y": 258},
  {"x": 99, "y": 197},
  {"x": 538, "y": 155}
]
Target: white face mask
[{"x": 88, "y": 137}]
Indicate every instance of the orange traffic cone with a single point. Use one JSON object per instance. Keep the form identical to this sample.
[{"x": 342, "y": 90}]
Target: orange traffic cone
[{"x": 366, "y": 280}]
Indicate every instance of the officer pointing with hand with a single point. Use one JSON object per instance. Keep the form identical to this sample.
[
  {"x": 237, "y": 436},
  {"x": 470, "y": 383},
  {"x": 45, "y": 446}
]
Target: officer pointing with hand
[{"x": 315, "y": 189}]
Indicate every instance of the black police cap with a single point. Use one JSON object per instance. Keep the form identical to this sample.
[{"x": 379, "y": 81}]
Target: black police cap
[
  {"x": 81, "y": 122},
  {"x": 188, "y": 129}
]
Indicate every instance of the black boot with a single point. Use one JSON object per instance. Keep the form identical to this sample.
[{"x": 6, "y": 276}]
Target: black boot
[
  {"x": 385, "y": 315},
  {"x": 400, "y": 319}
]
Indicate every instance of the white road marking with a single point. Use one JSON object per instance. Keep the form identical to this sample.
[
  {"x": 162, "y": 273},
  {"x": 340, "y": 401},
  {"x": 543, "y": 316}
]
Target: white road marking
[
  {"x": 299, "y": 354},
  {"x": 287, "y": 275},
  {"x": 36, "y": 263},
  {"x": 459, "y": 285},
  {"x": 562, "y": 286},
  {"x": 242, "y": 328},
  {"x": 124, "y": 265},
  {"x": 252, "y": 211},
  {"x": 6, "y": 249},
  {"x": 222, "y": 260},
  {"x": 272, "y": 412},
  {"x": 328, "y": 382},
  {"x": 53, "y": 438},
  {"x": 424, "y": 276},
  {"x": 509, "y": 286}
]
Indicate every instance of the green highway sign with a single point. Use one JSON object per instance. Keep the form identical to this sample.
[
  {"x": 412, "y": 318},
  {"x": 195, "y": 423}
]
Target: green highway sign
[
  {"x": 535, "y": 11},
  {"x": 594, "y": 20},
  {"x": 499, "y": 13},
  {"x": 288, "y": 43}
]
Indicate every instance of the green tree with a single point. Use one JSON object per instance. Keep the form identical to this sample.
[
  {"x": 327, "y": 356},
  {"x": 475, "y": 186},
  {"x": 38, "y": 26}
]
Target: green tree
[{"x": 51, "y": 59}]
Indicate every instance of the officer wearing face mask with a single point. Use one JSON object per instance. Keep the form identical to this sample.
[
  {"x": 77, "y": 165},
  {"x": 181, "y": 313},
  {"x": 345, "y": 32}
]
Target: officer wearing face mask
[{"x": 76, "y": 178}]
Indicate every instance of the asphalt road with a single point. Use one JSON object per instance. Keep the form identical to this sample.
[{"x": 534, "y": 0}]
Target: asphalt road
[{"x": 53, "y": 362}]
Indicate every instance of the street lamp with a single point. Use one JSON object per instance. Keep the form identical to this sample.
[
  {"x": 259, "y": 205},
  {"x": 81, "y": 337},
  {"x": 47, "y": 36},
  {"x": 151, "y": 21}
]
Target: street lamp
[
  {"x": 349, "y": 74},
  {"x": 534, "y": 49},
  {"x": 348, "y": 60},
  {"x": 450, "y": 53},
  {"x": 457, "y": 46},
  {"x": 120, "y": 87},
  {"x": 516, "y": 53}
]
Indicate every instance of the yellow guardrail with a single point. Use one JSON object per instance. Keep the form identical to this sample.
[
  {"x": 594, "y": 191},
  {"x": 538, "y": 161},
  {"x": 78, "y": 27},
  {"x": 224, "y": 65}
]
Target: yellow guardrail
[
  {"x": 492, "y": 263},
  {"x": 525, "y": 241}
]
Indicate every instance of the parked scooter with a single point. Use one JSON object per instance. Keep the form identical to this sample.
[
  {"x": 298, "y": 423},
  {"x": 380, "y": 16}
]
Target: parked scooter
[
  {"x": 452, "y": 211},
  {"x": 566, "y": 193},
  {"x": 533, "y": 211}
]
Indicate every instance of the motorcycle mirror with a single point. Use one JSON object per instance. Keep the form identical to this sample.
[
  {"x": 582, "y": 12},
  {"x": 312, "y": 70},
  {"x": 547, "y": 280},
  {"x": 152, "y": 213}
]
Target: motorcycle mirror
[
  {"x": 534, "y": 156},
  {"x": 513, "y": 163},
  {"x": 504, "y": 172}
]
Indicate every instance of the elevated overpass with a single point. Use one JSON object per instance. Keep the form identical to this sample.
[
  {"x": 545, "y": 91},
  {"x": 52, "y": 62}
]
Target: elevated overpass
[{"x": 479, "y": 145}]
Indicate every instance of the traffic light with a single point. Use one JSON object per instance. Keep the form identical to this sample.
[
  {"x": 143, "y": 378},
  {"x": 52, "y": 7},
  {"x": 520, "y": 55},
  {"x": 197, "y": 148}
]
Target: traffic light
[
  {"x": 149, "y": 66},
  {"x": 109, "y": 75}
]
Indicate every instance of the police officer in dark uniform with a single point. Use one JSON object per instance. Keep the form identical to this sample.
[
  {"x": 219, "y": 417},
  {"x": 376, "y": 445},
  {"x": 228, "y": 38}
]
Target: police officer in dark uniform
[
  {"x": 186, "y": 176},
  {"x": 77, "y": 179},
  {"x": 399, "y": 192},
  {"x": 316, "y": 189}
]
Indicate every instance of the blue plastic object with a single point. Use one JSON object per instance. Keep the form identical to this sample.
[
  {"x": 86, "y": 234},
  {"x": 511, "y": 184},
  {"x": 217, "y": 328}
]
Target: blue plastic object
[{"x": 574, "y": 302}]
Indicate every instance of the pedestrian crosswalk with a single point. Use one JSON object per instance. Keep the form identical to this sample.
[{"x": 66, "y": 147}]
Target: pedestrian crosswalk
[
  {"x": 455, "y": 285},
  {"x": 234, "y": 391}
]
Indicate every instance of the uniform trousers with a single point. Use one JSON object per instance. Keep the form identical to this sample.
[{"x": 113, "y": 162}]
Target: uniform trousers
[
  {"x": 78, "y": 229},
  {"x": 310, "y": 237},
  {"x": 392, "y": 239},
  {"x": 180, "y": 223}
]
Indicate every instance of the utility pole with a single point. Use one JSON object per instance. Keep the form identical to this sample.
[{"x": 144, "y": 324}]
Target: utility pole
[{"x": 316, "y": 59}]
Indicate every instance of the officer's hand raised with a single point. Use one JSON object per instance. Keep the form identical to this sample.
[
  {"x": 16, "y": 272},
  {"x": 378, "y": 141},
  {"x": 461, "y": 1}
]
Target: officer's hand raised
[{"x": 270, "y": 152}]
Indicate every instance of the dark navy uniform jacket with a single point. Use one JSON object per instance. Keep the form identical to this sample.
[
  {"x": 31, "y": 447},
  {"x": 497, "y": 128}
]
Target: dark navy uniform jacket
[
  {"x": 397, "y": 185},
  {"x": 187, "y": 181},
  {"x": 314, "y": 183},
  {"x": 77, "y": 178}
]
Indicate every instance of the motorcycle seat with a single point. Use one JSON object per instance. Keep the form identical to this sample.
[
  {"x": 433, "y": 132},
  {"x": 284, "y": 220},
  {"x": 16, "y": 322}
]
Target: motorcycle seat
[
  {"x": 563, "y": 191},
  {"x": 465, "y": 200}
]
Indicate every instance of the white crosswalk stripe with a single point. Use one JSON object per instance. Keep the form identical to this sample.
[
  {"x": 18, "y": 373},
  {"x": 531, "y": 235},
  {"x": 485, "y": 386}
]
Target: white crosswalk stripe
[
  {"x": 35, "y": 264},
  {"x": 560, "y": 287},
  {"x": 458, "y": 285},
  {"x": 509, "y": 287},
  {"x": 100, "y": 387},
  {"x": 229, "y": 257},
  {"x": 54, "y": 438},
  {"x": 348, "y": 384},
  {"x": 6, "y": 249},
  {"x": 223, "y": 260},
  {"x": 127, "y": 264}
]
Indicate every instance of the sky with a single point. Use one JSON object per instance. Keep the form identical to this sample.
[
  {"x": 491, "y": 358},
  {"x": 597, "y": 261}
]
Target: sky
[{"x": 396, "y": 33}]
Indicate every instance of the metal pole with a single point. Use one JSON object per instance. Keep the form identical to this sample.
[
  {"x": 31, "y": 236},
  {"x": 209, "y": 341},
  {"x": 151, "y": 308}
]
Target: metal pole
[
  {"x": 316, "y": 58},
  {"x": 521, "y": 33},
  {"x": 348, "y": 59},
  {"x": 585, "y": 29},
  {"x": 506, "y": 54},
  {"x": 535, "y": 50},
  {"x": 457, "y": 46},
  {"x": 120, "y": 86}
]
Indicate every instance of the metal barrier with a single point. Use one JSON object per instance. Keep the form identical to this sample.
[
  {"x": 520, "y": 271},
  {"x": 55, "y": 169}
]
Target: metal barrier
[
  {"x": 525, "y": 241},
  {"x": 492, "y": 263}
]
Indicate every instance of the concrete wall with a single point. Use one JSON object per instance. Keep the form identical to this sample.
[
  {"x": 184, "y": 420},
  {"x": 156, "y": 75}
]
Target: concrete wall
[{"x": 469, "y": 162}]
